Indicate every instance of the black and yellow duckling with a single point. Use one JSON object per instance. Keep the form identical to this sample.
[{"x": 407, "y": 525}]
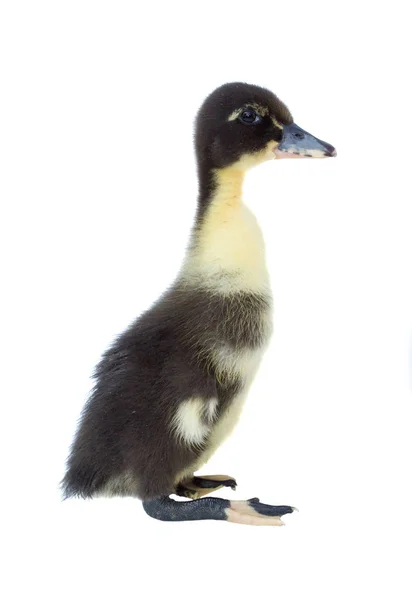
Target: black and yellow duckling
[{"x": 171, "y": 388}]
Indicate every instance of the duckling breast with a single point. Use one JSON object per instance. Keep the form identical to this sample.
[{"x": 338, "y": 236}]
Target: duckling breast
[{"x": 231, "y": 350}]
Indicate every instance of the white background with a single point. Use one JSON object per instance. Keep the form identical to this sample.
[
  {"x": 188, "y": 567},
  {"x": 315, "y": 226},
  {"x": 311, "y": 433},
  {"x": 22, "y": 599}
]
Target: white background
[{"x": 98, "y": 194}]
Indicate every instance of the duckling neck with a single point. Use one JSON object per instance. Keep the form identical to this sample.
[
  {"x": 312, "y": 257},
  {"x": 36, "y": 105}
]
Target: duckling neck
[{"x": 227, "y": 252}]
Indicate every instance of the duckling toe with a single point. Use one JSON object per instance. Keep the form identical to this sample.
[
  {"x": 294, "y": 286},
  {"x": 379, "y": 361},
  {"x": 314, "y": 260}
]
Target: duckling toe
[{"x": 254, "y": 512}]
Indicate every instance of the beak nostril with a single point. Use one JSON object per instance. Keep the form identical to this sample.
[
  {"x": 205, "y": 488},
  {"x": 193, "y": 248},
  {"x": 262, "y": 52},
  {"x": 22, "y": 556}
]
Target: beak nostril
[{"x": 298, "y": 135}]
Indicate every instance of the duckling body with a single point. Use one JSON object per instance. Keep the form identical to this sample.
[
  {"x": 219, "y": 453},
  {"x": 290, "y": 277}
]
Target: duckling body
[{"x": 171, "y": 388}]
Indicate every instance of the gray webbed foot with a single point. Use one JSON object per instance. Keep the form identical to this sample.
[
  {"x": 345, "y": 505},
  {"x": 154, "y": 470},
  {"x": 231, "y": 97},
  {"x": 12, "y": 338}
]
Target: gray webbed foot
[{"x": 245, "y": 512}]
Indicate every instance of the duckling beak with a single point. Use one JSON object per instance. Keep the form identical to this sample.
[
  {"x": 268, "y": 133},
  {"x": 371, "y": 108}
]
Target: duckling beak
[{"x": 298, "y": 143}]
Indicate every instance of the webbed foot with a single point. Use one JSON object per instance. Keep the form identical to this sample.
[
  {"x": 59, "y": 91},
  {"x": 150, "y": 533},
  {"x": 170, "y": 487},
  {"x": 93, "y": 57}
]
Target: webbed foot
[
  {"x": 201, "y": 485},
  {"x": 254, "y": 512},
  {"x": 246, "y": 512}
]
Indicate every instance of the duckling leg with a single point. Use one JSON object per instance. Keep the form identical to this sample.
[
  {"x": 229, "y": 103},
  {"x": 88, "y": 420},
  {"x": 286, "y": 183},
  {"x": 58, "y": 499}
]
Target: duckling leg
[
  {"x": 201, "y": 485},
  {"x": 247, "y": 512}
]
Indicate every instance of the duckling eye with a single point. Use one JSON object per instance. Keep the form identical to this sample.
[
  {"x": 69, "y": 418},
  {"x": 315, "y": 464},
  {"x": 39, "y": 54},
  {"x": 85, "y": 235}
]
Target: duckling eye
[{"x": 249, "y": 117}]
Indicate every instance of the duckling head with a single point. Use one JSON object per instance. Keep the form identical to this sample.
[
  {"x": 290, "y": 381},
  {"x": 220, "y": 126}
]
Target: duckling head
[{"x": 244, "y": 125}]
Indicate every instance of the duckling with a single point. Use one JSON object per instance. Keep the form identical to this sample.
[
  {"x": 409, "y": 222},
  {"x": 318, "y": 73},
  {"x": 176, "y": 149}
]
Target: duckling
[{"x": 171, "y": 388}]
